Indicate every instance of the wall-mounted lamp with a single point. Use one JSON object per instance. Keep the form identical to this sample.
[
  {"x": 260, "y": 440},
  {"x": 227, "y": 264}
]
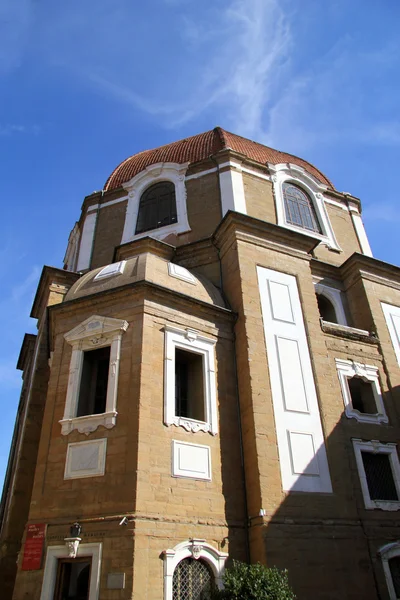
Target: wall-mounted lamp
[{"x": 73, "y": 541}]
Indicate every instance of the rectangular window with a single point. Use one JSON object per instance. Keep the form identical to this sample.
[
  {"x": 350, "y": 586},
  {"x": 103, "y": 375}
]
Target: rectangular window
[
  {"x": 379, "y": 475},
  {"x": 379, "y": 471},
  {"x": 362, "y": 395},
  {"x": 394, "y": 566},
  {"x": 189, "y": 381},
  {"x": 361, "y": 391},
  {"x": 94, "y": 379},
  {"x": 189, "y": 385}
]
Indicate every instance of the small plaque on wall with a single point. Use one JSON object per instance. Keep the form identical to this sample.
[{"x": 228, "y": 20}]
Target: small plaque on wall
[{"x": 116, "y": 581}]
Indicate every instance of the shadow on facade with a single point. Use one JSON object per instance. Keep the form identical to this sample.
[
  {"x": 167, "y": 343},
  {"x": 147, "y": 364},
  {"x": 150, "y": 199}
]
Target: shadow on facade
[{"x": 328, "y": 542}]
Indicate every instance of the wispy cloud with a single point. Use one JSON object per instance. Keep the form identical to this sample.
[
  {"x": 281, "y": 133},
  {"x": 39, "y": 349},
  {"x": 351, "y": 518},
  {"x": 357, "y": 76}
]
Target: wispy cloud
[
  {"x": 13, "y": 128},
  {"x": 15, "y": 17},
  {"x": 386, "y": 212},
  {"x": 178, "y": 60}
]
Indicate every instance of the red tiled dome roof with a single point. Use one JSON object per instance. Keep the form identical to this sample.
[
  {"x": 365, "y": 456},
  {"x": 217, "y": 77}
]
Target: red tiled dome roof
[{"x": 200, "y": 147}]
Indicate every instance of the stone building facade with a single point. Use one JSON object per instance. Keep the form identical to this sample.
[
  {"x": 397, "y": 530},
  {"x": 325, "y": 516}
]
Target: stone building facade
[{"x": 215, "y": 376}]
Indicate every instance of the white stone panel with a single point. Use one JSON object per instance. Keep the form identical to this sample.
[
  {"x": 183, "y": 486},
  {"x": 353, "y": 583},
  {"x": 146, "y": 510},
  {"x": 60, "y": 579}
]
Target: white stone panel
[
  {"x": 392, "y": 317},
  {"x": 304, "y": 461},
  {"x": 292, "y": 384},
  {"x": 110, "y": 270},
  {"x": 293, "y": 390},
  {"x": 280, "y": 302},
  {"x": 191, "y": 460},
  {"x": 85, "y": 459}
]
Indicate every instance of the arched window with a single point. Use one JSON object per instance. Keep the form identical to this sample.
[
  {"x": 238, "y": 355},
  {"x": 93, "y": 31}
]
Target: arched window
[
  {"x": 390, "y": 555},
  {"x": 157, "y": 207},
  {"x": 193, "y": 580},
  {"x": 326, "y": 309},
  {"x": 299, "y": 209},
  {"x": 191, "y": 570}
]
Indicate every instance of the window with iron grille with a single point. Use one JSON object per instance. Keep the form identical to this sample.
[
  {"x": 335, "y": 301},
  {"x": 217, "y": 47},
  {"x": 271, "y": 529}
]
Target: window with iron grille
[
  {"x": 379, "y": 475},
  {"x": 157, "y": 207},
  {"x": 193, "y": 580},
  {"x": 299, "y": 208}
]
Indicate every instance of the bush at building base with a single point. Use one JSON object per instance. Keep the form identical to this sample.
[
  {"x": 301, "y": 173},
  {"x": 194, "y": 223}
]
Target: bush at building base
[{"x": 255, "y": 582}]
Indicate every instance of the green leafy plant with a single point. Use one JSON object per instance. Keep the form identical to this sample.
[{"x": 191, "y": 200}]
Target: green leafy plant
[{"x": 254, "y": 582}]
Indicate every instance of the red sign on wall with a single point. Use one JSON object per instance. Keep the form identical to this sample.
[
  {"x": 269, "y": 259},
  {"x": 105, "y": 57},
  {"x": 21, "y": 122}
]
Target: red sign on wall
[{"x": 33, "y": 551}]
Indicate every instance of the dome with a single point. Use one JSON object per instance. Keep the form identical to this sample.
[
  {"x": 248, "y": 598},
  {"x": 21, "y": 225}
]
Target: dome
[
  {"x": 147, "y": 267},
  {"x": 201, "y": 146}
]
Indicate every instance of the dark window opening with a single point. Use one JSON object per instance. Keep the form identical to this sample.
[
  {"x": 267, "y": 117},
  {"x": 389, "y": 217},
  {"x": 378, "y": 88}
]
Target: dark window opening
[
  {"x": 299, "y": 208},
  {"x": 326, "y": 309},
  {"x": 192, "y": 580},
  {"x": 189, "y": 385},
  {"x": 94, "y": 379},
  {"x": 394, "y": 566},
  {"x": 73, "y": 579},
  {"x": 379, "y": 475},
  {"x": 362, "y": 395},
  {"x": 157, "y": 207}
]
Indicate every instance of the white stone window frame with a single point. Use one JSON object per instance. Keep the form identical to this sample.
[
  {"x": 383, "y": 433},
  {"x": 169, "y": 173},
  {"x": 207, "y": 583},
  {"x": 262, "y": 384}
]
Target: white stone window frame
[
  {"x": 296, "y": 175},
  {"x": 191, "y": 341},
  {"x": 197, "y": 549},
  {"x": 335, "y": 297},
  {"x": 386, "y": 553},
  {"x": 95, "y": 332},
  {"x": 347, "y": 369},
  {"x": 172, "y": 172},
  {"x": 376, "y": 447},
  {"x": 54, "y": 553}
]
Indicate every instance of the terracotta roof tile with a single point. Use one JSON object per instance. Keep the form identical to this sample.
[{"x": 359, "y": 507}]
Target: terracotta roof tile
[{"x": 200, "y": 147}]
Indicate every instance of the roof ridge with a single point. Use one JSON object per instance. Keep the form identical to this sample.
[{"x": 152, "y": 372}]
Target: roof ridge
[{"x": 221, "y": 133}]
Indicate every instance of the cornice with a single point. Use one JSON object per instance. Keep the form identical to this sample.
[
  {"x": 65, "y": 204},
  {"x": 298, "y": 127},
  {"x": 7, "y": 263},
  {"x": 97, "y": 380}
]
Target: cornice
[
  {"x": 255, "y": 231},
  {"x": 366, "y": 267},
  {"x": 26, "y": 351},
  {"x": 201, "y": 252},
  {"x": 142, "y": 245},
  {"x": 147, "y": 291},
  {"x": 51, "y": 276},
  {"x": 325, "y": 270}
]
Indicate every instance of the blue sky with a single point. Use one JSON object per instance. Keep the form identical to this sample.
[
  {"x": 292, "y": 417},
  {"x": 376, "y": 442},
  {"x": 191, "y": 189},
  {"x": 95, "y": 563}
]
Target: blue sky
[{"x": 86, "y": 83}]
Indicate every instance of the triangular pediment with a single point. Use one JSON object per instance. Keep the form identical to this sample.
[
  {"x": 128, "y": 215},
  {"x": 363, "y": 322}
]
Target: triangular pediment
[{"x": 95, "y": 325}]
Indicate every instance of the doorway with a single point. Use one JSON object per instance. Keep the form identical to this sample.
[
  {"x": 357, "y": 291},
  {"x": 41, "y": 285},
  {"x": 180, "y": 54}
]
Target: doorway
[{"x": 73, "y": 578}]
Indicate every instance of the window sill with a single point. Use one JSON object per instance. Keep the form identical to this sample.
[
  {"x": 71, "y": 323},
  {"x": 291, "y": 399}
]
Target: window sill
[
  {"x": 353, "y": 413},
  {"x": 191, "y": 424},
  {"x": 324, "y": 239},
  {"x": 88, "y": 423},
  {"x": 351, "y": 333},
  {"x": 383, "y": 505},
  {"x": 162, "y": 232}
]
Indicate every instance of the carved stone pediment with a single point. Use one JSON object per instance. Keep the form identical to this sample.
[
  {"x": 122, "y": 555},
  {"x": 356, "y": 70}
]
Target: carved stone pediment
[{"x": 95, "y": 328}]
